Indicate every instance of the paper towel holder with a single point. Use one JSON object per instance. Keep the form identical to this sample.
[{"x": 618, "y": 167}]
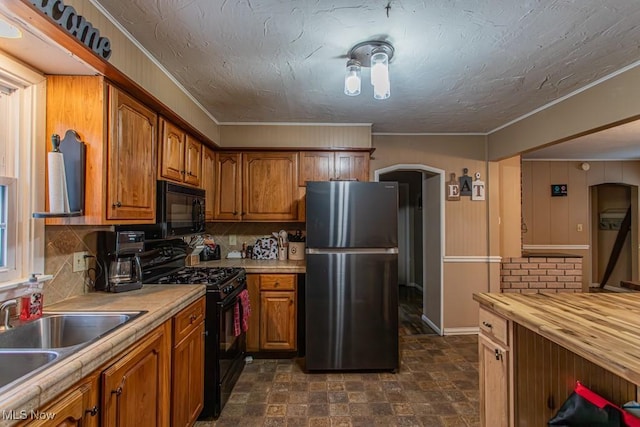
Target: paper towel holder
[{"x": 75, "y": 154}]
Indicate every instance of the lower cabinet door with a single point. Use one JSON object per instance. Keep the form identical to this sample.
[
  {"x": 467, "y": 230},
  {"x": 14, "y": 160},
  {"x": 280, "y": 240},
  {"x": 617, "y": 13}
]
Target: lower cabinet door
[
  {"x": 135, "y": 389},
  {"x": 77, "y": 407},
  {"x": 187, "y": 397},
  {"x": 277, "y": 320},
  {"x": 494, "y": 383}
]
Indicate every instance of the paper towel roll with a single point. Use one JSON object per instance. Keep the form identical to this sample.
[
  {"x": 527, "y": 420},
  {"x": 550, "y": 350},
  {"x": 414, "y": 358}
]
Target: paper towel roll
[{"x": 58, "y": 196}]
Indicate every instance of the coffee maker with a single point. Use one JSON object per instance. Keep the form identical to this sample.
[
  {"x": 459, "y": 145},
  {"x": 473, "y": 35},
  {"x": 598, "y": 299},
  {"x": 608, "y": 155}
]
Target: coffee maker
[{"x": 118, "y": 253}]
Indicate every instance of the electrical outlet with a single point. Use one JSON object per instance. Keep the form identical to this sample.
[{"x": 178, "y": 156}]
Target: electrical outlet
[
  {"x": 579, "y": 227},
  {"x": 232, "y": 239},
  {"x": 79, "y": 261}
]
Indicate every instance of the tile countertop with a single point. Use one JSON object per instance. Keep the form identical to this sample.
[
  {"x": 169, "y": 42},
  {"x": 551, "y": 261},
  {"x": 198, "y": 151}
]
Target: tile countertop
[
  {"x": 604, "y": 328},
  {"x": 259, "y": 265},
  {"x": 161, "y": 301}
]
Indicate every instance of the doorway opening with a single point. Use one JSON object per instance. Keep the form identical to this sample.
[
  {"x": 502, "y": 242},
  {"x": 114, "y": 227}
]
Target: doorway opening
[
  {"x": 420, "y": 245},
  {"x": 613, "y": 246}
]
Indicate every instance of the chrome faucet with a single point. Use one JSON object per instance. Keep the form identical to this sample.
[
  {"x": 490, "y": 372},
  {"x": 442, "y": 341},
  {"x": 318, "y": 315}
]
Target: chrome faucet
[{"x": 6, "y": 306}]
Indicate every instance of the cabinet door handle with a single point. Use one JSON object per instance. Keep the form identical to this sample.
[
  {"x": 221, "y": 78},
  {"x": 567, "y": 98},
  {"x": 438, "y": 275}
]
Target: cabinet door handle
[
  {"x": 275, "y": 285},
  {"x": 192, "y": 318},
  {"x": 92, "y": 411},
  {"x": 498, "y": 354},
  {"x": 116, "y": 205},
  {"x": 183, "y": 171},
  {"x": 487, "y": 324},
  {"x": 234, "y": 213},
  {"x": 118, "y": 391}
]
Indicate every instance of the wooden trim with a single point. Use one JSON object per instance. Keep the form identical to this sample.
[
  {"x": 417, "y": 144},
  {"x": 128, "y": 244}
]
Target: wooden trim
[
  {"x": 25, "y": 11},
  {"x": 332, "y": 149}
]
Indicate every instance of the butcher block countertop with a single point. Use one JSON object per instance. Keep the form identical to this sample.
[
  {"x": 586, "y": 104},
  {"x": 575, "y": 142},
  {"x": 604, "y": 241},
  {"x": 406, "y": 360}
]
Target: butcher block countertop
[
  {"x": 161, "y": 302},
  {"x": 259, "y": 265},
  {"x": 603, "y": 328}
]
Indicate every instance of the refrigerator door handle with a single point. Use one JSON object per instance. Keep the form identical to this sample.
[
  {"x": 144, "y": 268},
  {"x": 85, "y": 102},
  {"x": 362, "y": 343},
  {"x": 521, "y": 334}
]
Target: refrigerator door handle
[{"x": 312, "y": 251}]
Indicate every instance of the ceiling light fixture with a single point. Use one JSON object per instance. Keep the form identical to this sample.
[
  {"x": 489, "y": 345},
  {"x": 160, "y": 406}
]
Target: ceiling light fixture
[{"x": 373, "y": 54}]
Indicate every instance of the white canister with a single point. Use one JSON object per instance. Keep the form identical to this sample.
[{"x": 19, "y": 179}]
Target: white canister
[{"x": 296, "y": 251}]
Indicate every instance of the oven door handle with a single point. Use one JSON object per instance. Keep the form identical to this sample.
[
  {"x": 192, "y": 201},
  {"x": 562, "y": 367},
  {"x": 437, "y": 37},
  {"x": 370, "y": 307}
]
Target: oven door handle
[{"x": 232, "y": 299}]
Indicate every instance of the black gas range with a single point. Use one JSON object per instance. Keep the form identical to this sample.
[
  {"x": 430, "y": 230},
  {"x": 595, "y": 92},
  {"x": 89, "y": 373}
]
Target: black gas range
[
  {"x": 222, "y": 281},
  {"x": 163, "y": 262}
]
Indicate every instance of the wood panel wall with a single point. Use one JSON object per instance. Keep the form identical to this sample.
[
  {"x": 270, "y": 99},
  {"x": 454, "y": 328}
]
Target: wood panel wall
[
  {"x": 295, "y": 136},
  {"x": 465, "y": 220},
  {"x": 554, "y": 220},
  {"x": 546, "y": 373}
]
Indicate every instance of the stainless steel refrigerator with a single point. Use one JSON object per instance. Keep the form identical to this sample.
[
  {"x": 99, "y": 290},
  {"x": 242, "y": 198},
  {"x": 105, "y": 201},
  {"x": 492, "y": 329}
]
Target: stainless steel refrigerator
[{"x": 351, "y": 297}]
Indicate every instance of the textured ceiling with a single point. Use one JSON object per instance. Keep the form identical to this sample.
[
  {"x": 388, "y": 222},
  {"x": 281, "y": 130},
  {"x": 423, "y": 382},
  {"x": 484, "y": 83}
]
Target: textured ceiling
[{"x": 459, "y": 66}]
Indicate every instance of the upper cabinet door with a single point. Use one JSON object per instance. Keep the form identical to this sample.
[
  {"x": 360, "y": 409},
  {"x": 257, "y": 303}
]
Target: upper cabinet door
[
  {"x": 131, "y": 171},
  {"x": 208, "y": 182},
  {"x": 316, "y": 166},
  {"x": 269, "y": 186},
  {"x": 228, "y": 185},
  {"x": 352, "y": 166},
  {"x": 173, "y": 149},
  {"x": 193, "y": 162}
]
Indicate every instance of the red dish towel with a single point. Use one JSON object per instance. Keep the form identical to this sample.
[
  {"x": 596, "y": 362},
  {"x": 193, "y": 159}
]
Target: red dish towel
[
  {"x": 246, "y": 309},
  {"x": 236, "y": 319},
  {"x": 243, "y": 306}
]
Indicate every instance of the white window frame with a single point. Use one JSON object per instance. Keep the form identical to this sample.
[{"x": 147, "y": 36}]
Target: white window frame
[{"x": 24, "y": 167}]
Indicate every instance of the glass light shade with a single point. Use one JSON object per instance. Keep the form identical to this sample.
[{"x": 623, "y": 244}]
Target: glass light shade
[
  {"x": 352, "y": 79},
  {"x": 382, "y": 91},
  {"x": 379, "y": 68},
  {"x": 380, "y": 75}
]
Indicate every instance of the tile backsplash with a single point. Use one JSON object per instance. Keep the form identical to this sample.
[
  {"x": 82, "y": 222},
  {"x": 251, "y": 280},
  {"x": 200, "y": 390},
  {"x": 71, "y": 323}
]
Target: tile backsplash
[
  {"x": 246, "y": 232},
  {"x": 61, "y": 242}
]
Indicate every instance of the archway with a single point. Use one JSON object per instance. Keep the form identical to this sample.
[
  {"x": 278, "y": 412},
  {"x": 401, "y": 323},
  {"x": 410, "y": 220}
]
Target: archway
[{"x": 432, "y": 215}]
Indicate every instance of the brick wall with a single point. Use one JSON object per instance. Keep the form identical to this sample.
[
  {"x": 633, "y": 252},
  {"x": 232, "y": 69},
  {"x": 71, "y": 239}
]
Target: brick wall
[{"x": 541, "y": 274}]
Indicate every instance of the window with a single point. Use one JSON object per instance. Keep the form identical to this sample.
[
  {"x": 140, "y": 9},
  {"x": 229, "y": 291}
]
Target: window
[
  {"x": 22, "y": 165},
  {"x": 8, "y": 224}
]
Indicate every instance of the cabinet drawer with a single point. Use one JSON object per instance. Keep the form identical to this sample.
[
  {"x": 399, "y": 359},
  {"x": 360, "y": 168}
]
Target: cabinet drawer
[
  {"x": 187, "y": 320},
  {"x": 277, "y": 282},
  {"x": 494, "y": 325}
]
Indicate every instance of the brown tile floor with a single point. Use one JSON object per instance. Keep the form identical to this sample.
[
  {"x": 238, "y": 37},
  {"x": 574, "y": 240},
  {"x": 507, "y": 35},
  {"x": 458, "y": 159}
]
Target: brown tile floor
[{"x": 437, "y": 385}]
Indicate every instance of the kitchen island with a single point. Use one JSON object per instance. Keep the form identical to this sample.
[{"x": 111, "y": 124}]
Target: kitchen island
[
  {"x": 161, "y": 303},
  {"x": 533, "y": 347}
]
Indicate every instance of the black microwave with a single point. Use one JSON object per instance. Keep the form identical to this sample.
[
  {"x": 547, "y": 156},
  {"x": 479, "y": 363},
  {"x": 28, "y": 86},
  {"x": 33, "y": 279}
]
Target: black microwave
[{"x": 179, "y": 212}]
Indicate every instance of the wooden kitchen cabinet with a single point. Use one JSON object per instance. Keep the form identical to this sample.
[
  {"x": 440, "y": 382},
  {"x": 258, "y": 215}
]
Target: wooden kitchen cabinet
[
  {"x": 132, "y": 135},
  {"x": 273, "y": 322},
  {"x": 79, "y": 407},
  {"x": 208, "y": 182},
  {"x": 172, "y": 148},
  {"x": 187, "y": 390},
  {"x": 496, "y": 370},
  {"x": 256, "y": 186},
  {"x": 181, "y": 155},
  {"x": 228, "y": 186},
  {"x": 270, "y": 186},
  {"x": 333, "y": 165},
  {"x": 120, "y": 139},
  {"x": 193, "y": 162},
  {"x": 157, "y": 381},
  {"x": 135, "y": 389}
]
